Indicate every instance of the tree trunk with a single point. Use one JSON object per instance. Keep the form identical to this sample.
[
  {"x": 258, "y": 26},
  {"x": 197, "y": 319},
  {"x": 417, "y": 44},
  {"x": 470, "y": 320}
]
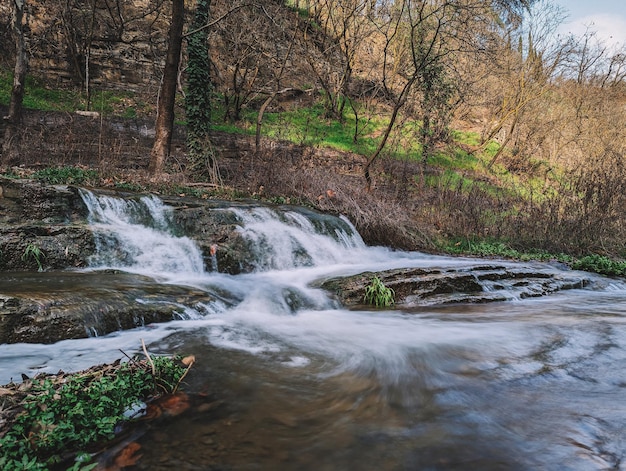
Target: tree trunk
[
  {"x": 165, "y": 107},
  {"x": 14, "y": 118}
]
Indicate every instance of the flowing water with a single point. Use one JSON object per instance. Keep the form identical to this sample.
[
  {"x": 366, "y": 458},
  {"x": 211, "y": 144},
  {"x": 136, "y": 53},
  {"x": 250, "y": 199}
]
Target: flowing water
[{"x": 289, "y": 380}]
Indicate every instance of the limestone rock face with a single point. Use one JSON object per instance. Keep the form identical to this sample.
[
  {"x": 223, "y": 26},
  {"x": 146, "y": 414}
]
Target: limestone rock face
[{"x": 42, "y": 226}]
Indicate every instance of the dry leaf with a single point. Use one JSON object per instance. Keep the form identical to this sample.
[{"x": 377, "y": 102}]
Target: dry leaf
[
  {"x": 189, "y": 360},
  {"x": 174, "y": 404},
  {"x": 128, "y": 456}
]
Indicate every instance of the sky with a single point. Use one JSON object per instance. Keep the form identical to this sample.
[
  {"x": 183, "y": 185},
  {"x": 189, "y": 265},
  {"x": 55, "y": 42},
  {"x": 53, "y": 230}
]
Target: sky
[{"x": 607, "y": 17}]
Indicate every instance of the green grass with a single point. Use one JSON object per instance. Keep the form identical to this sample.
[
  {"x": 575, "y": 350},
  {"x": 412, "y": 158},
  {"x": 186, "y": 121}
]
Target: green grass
[
  {"x": 498, "y": 248},
  {"x": 39, "y": 96},
  {"x": 306, "y": 126},
  {"x": 593, "y": 263},
  {"x": 379, "y": 295},
  {"x": 455, "y": 158}
]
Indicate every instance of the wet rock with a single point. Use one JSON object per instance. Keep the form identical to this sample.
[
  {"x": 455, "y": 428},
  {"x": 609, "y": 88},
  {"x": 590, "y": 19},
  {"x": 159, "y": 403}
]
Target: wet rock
[
  {"x": 215, "y": 229},
  {"x": 48, "y": 307},
  {"x": 473, "y": 284},
  {"x": 42, "y": 226},
  {"x": 54, "y": 220}
]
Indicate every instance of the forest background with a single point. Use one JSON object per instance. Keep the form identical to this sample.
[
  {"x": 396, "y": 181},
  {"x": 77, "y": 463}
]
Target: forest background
[{"x": 442, "y": 125}]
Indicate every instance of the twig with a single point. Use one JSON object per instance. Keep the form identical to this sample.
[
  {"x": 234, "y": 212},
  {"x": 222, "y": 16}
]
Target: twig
[
  {"x": 145, "y": 351},
  {"x": 191, "y": 360},
  {"x": 132, "y": 360}
]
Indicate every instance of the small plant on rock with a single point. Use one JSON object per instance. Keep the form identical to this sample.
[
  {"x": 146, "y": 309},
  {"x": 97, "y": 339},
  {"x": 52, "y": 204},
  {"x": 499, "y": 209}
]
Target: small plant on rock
[
  {"x": 33, "y": 252},
  {"x": 379, "y": 295}
]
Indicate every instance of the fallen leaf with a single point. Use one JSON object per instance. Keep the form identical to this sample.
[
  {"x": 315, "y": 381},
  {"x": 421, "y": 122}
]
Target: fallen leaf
[
  {"x": 174, "y": 404},
  {"x": 128, "y": 456},
  {"x": 189, "y": 360}
]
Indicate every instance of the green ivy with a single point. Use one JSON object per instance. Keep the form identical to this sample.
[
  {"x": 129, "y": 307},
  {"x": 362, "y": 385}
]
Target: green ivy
[
  {"x": 198, "y": 99},
  {"x": 600, "y": 264}
]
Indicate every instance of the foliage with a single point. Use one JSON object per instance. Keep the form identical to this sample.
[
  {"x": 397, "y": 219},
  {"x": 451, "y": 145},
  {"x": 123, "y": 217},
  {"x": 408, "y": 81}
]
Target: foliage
[
  {"x": 309, "y": 125},
  {"x": 198, "y": 98},
  {"x": 379, "y": 295},
  {"x": 498, "y": 248},
  {"x": 33, "y": 252},
  {"x": 492, "y": 248},
  {"x": 66, "y": 175},
  {"x": 61, "y": 417},
  {"x": 600, "y": 264},
  {"x": 129, "y": 186},
  {"x": 10, "y": 174}
]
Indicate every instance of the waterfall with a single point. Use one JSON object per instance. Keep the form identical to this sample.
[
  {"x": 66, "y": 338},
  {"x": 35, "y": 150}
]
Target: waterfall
[
  {"x": 288, "y": 239},
  {"x": 137, "y": 235}
]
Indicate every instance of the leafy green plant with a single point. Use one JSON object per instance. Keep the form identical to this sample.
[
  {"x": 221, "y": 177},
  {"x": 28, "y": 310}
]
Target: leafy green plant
[
  {"x": 600, "y": 264},
  {"x": 379, "y": 295},
  {"x": 498, "y": 248},
  {"x": 130, "y": 186},
  {"x": 60, "y": 417},
  {"x": 66, "y": 175},
  {"x": 33, "y": 252},
  {"x": 9, "y": 174}
]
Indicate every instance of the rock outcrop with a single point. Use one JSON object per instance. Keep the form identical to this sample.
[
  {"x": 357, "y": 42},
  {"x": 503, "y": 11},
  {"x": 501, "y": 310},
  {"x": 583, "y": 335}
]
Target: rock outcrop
[
  {"x": 471, "y": 284},
  {"x": 42, "y": 227}
]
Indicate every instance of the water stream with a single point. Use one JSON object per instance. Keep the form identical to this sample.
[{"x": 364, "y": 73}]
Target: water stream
[{"x": 289, "y": 380}]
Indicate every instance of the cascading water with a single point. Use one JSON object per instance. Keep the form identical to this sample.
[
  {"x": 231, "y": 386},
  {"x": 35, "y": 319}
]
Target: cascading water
[
  {"x": 305, "y": 384},
  {"x": 289, "y": 239},
  {"x": 136, "y": 236}
]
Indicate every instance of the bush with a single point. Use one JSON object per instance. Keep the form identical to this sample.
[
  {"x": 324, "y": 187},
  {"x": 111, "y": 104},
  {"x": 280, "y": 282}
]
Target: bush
[{"x": 600, "y": 264}]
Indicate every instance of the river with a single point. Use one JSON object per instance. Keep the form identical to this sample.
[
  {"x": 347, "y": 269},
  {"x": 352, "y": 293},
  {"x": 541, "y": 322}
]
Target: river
[{"x": 287, "y": 379}]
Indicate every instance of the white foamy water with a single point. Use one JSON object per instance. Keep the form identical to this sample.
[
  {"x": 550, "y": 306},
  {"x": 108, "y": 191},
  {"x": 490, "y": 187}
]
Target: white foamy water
[{"x": 136, "y": 236}]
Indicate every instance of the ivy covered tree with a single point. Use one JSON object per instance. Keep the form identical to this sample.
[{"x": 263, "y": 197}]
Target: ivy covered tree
[{"x": 202, "y": 162}]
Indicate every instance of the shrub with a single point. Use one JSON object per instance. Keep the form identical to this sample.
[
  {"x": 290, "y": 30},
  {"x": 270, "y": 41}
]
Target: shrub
[{"x": 600, "y": 264}]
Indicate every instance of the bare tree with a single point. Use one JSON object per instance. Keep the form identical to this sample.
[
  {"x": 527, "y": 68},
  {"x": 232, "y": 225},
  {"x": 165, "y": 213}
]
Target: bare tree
[
  {"x": 526, "y": 66},
  {"x": 345, "y": 26},
  {"x": 167, "y": 95},
  {"x": 14, "y": 118}
]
